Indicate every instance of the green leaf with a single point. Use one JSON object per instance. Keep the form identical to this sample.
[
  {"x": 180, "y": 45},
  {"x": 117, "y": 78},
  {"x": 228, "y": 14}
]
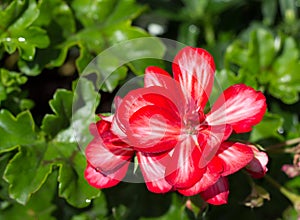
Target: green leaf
[
  {"x": 10, "y": 82},
  {"x": 98, "y": 210},
  {"x": 257, "y": 55},
  {"x": 84, "y": 58},
  {"x": 284, "y": 84},
  {"x": 27, "y": 18},
  {"x": 269, "y": 10},
  {"x": 34, "y": 209},
  {"x": 138, "y": 51},
  {"x": 106, "y": 12},
  {"x": 262, "y": 43},
  {"x": 26, "y": 104},
  {"x": 263, "y": 60},
  {"x": 56, "y": 11},
  {"x": 18, "y": 32},
  {"x": 124, "y": 10},
  {"x": 3, "y": 94},
  {"x": 194, "y": 9},
  {"x": 72, "y": 185},
  {"x": 91, "y": 12},
  {"x": 288, "y": 10},
  {"x": 31, "y": 169},
  {"x": 188, "y": 34},
  {"x": 17, "y": 131},
  {"x": 267, "y": 128},
  {"x": 61, "y": 105},
  {"x": 11, "y": 13},
  {"x": 236, "y": 54},
  {"x": 34, "y": 163},
  {"x": 85, "y": 102},
  {"x": 26, "y": 40}
]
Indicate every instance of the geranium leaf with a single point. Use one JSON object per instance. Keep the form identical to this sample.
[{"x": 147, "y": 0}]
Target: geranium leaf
[
  {"x": 84, "y": 105},
  {"x": 17, "y": 131},
  {"x": 61, "y": 105},
  {"x": 33, "y": 165},
  {"x": 19, "y": 32},
  {"x": 124, "y": 10},
  {"x": 72, "y": 185},
  {"x": 269, "y": 127},
  {"x": 285, "y": 85},
  {"x": 34, "y": 208},
  {"x": 31, "y": 169},
  {"x": 27, "y": 18}
]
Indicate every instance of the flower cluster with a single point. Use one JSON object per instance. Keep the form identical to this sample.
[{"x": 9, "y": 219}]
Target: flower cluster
[{"x": 179, "y": 145}]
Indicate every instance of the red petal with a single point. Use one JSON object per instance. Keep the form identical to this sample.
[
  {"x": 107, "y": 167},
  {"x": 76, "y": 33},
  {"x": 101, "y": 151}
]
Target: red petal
[
  {"x": 210, "y": 139},
  {"x": 135, "y": 100},
  {"x": 194, "y": 69},
  {"x": 99, "y": 180},
  {"x": 154, "y": 129},
  {"x": 106, "y": 151},
  {"x": 235, "y": 156},
  {"x": 106, "y": 156},
  {"x": 153, "y": 168},
  {"x": 258, "y": 165},
  {"x": 218, "y": 193},
  {"x": 98, "y": 128},
  {"x": 155, "y": 76},
  {"x": 183, "y": 170},
  {"x": 212, "y": 174},
  {"x": 240, "y": 106}
]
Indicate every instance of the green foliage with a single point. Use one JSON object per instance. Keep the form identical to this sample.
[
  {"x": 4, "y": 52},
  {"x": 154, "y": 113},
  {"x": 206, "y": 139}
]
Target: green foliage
[
  {"x": 272, "y": 61},
  {"x": 42, "y": 150},
  {"x": 38, "y": 156}
]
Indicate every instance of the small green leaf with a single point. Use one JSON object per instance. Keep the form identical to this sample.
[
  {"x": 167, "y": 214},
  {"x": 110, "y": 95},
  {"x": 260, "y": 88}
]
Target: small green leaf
[
  {"x": 188, "y": 34},
  {"x": 269, "y": 127},
  {"x": 284, "y": 82},
  {"x": 17, "y": 131},
  {"x": 98, "y": 210},
  {"x": 91, "y": 12},
  {"x": 269, "y": 10},
  {"x": 26, "y": 104},
  {"x": 61, "y": 105},
  {"x": 72, "y": 185},
  {"x": 27, "y": 17},
  {"x": 11, "y": 13},
  {"x": 34, "y": 209},
  {"x": 265, "y": 47},
  {"x": 3, "y": 94},
  {"x": 124, "y": 10},
  {"x": 31, "y": 169}
]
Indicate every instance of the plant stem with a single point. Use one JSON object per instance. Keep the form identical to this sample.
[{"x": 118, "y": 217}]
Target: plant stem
[
  {"x": 285, "y": 143},
  {"x": 294, "y": 198},
  {"x": 209, "y": 32}
]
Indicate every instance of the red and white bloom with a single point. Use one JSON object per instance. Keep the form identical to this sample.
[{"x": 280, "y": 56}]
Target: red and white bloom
[
  {"x": 179, "y": 146},
  {"x": 257, "y": 168},
  {"x": 109, "y": 157}
]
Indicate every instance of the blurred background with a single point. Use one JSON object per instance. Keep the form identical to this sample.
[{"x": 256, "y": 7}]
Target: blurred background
[{"x": 45, "y": 46}]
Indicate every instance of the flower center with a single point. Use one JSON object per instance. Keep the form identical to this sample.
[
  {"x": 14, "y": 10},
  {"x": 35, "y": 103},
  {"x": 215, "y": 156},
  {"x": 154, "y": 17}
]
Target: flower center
[
  {"x": 193, "y": 122},
  {"x": 192, "y": 127}
]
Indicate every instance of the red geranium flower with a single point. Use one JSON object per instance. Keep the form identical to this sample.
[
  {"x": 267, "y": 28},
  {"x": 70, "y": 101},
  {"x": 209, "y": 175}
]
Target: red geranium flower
[
  {"x": 166, "y": 124},
  {"x": 109, "y": 157}
]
